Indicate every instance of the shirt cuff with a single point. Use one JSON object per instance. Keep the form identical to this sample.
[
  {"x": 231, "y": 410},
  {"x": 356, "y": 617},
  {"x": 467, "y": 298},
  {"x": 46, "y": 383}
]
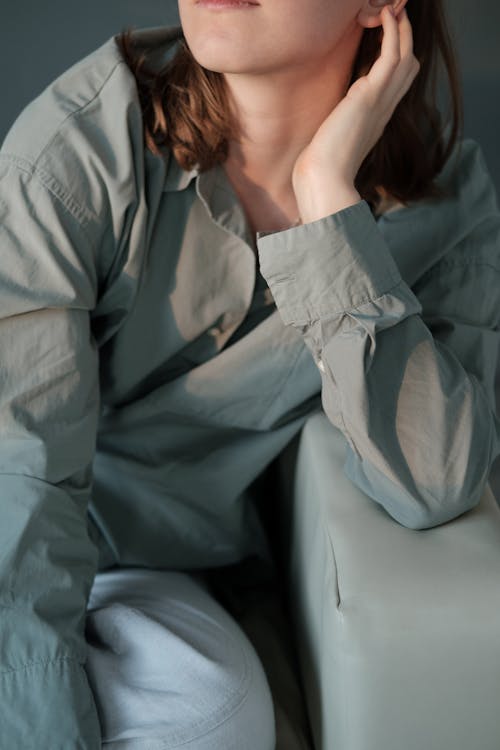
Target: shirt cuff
[{"x": 326, "y": 267}]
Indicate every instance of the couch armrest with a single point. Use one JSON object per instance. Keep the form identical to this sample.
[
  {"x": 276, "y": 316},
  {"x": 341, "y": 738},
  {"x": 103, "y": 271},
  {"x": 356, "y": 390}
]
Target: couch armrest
[{"x": 397, "y": 630}]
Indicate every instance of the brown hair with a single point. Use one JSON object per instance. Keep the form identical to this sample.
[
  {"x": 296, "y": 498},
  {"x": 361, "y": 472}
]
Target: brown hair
[{"x": 186, "y": 108}]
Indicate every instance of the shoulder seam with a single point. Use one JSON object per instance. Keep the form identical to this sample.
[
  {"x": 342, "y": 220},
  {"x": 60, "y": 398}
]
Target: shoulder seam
[
  {"x": 66, "y": 200},
  {"x": 78, "y": 211},
  {"x": 73, "y": 113},
  {"x": 40, "y": 662},
  {"x": 83, "y": 106}
]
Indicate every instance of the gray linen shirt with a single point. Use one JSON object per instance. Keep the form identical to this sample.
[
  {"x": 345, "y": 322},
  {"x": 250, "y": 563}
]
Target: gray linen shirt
[{"x": 155, "y": 357}]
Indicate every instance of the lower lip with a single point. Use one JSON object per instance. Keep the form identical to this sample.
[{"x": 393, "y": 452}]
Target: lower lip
[{"x": 226, "y": 4}]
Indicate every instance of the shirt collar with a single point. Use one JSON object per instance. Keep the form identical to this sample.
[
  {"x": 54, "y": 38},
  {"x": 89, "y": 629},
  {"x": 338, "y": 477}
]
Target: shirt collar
[
  {"x": 216, "y": 192},
  {"x": 159, "y": 42},
  {"x": 177, "y": 178}
]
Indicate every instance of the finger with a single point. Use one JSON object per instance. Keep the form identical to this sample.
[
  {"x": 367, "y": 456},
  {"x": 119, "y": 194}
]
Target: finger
[
  {"x": 405, "y": 35},
  {"x": 409, "y": 65},
  {"x": 390, "y": 51},
  {"x": 391, "y": 43},
  {"x": 391, "y": 74}
]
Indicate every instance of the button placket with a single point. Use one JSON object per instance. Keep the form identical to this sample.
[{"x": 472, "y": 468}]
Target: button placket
[{"x": 243, "y": 269}]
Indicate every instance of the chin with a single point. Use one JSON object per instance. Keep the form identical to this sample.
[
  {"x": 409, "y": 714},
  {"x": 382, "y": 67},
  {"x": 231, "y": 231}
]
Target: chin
[
  {"x": 221, "y": 54},
  {"x": 212, "y": 62},
  {"x": 218, "y": 63}
]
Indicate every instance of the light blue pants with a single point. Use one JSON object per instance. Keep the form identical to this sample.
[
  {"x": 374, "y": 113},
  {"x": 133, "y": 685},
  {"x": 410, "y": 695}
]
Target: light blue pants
[{"x": 170, "y": 668}]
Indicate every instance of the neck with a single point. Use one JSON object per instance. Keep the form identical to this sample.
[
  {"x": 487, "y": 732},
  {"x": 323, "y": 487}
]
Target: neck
[{"x": 279, "y": 113}]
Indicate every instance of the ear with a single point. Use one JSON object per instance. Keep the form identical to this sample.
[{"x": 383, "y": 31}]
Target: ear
[{"x": 370, "y": 14}]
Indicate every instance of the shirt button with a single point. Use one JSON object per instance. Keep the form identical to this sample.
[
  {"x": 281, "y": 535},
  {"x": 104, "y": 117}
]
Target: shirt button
[
  {"x": 268, "y": 297},
  {"x": 228, "y": 320},
  {"x": 321, "y": 366}
]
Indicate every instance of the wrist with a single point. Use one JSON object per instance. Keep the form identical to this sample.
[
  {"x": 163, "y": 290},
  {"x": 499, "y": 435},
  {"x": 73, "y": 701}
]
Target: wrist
[{"x": 321, "y": 202}]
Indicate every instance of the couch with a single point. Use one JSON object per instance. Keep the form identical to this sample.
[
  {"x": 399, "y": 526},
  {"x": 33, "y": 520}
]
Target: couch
[{"x": 397, "y": 631}]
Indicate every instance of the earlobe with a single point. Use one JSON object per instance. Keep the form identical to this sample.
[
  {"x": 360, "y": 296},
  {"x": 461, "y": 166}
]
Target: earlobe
[{"x": 370, "y": 14}]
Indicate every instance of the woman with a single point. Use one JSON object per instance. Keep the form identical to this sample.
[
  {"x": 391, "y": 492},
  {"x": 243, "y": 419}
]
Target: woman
[{"x": 193, "y": 261}]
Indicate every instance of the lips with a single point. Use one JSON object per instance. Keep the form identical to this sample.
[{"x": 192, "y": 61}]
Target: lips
[{"x": 227, "y": 3}]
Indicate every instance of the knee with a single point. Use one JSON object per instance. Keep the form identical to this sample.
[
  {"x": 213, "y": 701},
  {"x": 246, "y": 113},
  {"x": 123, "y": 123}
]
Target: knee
[
  {"x": 235, "y": 691},
  {"x": 186, "y": 674},
  {"x": 251, "y": 721}
]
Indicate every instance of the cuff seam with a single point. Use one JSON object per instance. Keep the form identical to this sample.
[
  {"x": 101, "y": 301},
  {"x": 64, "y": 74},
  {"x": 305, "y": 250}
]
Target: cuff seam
[{"x": 319, "y": 315}]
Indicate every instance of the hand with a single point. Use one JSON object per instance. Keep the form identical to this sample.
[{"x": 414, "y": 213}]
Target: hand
[{"x": 324, "y": 173}]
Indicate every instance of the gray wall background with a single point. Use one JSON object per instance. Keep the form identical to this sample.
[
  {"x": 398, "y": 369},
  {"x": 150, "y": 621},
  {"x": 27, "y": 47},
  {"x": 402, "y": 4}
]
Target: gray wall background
[{"x": 38, "y": 41}]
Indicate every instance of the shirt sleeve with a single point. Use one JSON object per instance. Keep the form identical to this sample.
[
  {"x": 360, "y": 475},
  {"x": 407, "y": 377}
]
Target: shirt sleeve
[
  {"x": 49, "y": 403},
  {"x": 407, "y": 376}
]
